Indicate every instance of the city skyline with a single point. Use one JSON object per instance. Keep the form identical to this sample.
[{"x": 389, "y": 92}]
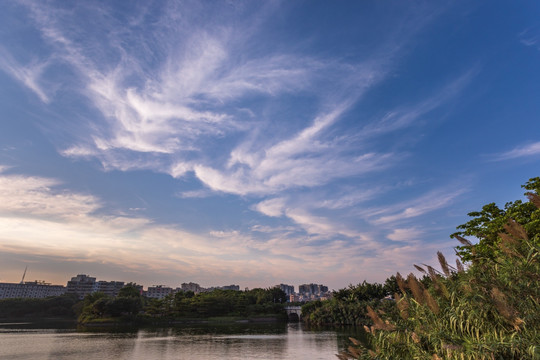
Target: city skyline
[
  {"x": 258, "y": 142},
  {"x": 84, "y": 284}
]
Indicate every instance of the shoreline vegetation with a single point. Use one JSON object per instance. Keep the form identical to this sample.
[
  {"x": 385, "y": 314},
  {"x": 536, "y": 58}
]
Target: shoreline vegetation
[
  {"x": 487, "y": 306},
  {"x": 132, "y": 309}
]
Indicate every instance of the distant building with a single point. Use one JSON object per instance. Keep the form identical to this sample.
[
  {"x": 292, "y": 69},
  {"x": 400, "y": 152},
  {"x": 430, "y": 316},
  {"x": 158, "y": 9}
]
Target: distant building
[
  {"x": 196, "y": 288},
  {"x": 30, "y": 289},
  {"x": 287, "y": 289},
  {"x": 110, "y": 288},
  {"x": 312, "y": 290},
  {"x": 226, "y": 287},
  {"x": 81, "y": 285},
  {"x": 158, "y": 291},
  {"x": 138, "y": 287}
]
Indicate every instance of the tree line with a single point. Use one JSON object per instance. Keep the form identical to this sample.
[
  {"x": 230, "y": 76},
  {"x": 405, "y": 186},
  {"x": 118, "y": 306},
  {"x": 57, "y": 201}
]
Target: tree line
[
  {"x": 130, "y": 305},
  {"x": 57, "y": 306}
]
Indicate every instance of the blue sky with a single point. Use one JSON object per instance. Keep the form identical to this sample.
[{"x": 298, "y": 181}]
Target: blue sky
[{"x": 258, "y": 143}]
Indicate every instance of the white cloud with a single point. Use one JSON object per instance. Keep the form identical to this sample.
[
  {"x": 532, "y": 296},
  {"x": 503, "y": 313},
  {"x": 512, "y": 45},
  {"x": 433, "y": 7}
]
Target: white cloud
[
  {"x": 304, "y": 160},
  {"x": 203, "y": 193},
  {"x": 406, "y": 116},
  {"x": 312, "y": 224},
  {"x": 270, "y": 229},
  {"x": 432, "y": 201},
  {"x": 530, "y": 37},
  {"x": 180, "y": 169},
  {"x": 78, "y": 151},
  {"x": 346, "y": 198},
  {"x": 404, "y": 256},
  {"x": 34, "y": 196},
  {"x": 406, "y": 234},
  {"x": 28, "y": 75},
  {"x": 520, "y": 151},
  {"x": 271, "y": 207}
]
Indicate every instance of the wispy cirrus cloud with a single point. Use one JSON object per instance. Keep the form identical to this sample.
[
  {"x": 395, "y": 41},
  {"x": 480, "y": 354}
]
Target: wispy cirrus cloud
[
  {"x": 405, "y": 234},
  {"x": 272, "y": 207},
  {"x": 162, "y": 117},
  {"x": 35, "y": 196},
  {"x": 307, "y": 160},
  {"x": 29, "y": 74},
  {"x": 406, "y": 116},
  {"x": 303, "y": 160},
  {"x": 530, "y": 37},
  {"x": 431, "y": 201},
  {"x": 324, "y": 227},
  {"x": 317, "y": 227},
  {"x": 531, "y": 149}
]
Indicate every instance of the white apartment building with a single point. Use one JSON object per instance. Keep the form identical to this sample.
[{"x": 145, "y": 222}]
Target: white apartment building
[
  {"x": 158, "y": 291},
  {"x": 110, "y": 288},
  {"x": 81, "y": 285},
  {"x": 30, "y": 289},
  {"x": 196, "y": 288}
]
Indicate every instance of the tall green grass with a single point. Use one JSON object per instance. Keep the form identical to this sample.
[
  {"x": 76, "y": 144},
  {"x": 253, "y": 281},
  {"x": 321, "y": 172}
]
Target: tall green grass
[{"x": 488, "y": 309}]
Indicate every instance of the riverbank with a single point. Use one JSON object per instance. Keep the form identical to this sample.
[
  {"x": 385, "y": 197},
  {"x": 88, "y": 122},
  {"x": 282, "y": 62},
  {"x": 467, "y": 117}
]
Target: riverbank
[{"x": 142, "y": 320}]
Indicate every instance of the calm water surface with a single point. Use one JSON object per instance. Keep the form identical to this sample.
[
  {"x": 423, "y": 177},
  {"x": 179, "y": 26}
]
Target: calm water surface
[{"x": 234, "y": 341}]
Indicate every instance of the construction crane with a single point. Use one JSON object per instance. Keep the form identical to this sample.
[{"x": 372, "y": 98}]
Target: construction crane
[{"x": 24, "y": 274}]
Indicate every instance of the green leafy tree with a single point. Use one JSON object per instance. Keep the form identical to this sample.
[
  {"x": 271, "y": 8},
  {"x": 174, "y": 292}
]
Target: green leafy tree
[
  {"x": 130, "y": 290},
  {"x": 488, "y": 223},
  {"x": 349, "y": 306},
  {"x": 123, "y": 306},
  {"x": 56, "y": 306},
  {"x": 391, "y": 286}
]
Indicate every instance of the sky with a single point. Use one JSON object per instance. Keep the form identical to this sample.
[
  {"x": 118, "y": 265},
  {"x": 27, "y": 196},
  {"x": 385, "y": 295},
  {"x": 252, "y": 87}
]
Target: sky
[{"x": 258, "y": 142}]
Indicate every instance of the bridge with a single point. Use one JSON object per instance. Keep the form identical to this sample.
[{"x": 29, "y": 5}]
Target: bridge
[{"x": 294, "y": 313}]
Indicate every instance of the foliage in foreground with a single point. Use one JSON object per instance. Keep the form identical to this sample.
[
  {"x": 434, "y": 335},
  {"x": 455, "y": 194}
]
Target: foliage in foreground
[
  {"x": 349, "y": 306},
  {"x": 491, "y": 310}
]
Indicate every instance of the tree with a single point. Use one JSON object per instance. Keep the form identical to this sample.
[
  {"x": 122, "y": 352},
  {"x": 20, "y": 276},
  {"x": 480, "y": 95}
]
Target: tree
[
  {"x": 361, "y": 292},
  {"x": 391, "y": 286},
  {"x": 488, "y": 223},
  {"x": 130, "y": 290},
  {"x": 278, "y": 295},
  {"x": 123, "y": 306}
]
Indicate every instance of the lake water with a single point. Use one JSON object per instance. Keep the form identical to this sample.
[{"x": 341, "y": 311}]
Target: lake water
[{"x": 232, "y": 341}]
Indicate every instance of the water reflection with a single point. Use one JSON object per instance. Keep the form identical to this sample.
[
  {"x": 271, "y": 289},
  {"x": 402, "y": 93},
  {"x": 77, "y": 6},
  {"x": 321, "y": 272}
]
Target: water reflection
[{"x": 203, "y": 341}]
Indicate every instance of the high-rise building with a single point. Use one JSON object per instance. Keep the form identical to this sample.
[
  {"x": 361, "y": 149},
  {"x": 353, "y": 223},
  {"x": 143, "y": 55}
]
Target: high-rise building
[
  {"x": 81, "y": 285},
  {"x": 287, "y": 289},
  {"x": 312, "y": 289}
]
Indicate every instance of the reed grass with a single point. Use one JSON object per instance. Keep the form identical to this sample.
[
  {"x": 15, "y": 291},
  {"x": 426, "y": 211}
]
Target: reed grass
[{"x": 486, "y": 310}]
